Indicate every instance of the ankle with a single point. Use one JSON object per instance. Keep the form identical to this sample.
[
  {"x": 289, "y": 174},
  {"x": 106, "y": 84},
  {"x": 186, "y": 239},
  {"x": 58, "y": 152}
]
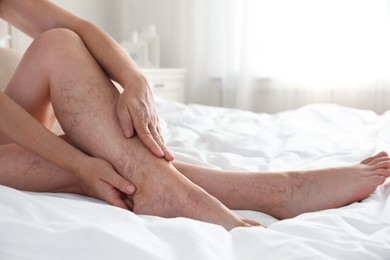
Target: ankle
[{"x": 281, "y": 192}]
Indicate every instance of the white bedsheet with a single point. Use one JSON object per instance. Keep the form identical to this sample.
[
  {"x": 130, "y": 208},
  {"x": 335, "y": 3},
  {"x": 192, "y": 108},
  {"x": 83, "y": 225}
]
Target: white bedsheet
[{"x": 65, "y": 226}]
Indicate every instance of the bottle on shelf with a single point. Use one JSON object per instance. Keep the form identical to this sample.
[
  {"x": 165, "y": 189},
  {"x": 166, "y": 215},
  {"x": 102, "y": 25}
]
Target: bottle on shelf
[
  {"x": 149, "y": 36},
  {"x": 137, "y": 49}
]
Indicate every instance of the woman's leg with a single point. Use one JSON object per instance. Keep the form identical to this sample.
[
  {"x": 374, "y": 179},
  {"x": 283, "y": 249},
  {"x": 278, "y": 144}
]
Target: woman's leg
[
  {"x": 278, "y": 194},
  {"x": 84, "y": 100},
  {"x": 20, "y": 168},
  {"x": 287, "y": 194},
  {"x": 274, "y": 193},
  {"x": 23, "y": 170}
]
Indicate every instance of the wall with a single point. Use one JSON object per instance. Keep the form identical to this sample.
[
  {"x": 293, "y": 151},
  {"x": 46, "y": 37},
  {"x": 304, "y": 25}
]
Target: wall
[
  {"x": 120, "y": 18},
  {"x": 111, "y": 16},
  {"x": 163, "y": 14},
  {"x": 106, "y": 13},
  {"x": 175, "y": 22}
]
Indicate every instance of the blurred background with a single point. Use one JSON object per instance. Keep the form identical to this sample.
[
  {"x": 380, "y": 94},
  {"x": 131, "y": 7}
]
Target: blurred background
[{"x": 260, "y": 55}]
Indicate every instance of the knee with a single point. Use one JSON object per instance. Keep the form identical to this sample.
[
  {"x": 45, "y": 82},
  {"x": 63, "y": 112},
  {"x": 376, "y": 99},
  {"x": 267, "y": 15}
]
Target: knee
[
  {"x": 56, "y": 41},
  {"x": 57, "y": 36}
]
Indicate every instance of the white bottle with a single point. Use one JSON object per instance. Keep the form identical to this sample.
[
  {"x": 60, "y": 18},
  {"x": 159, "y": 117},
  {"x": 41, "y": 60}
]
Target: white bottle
[
  {"x": 137, "y": 50},
  {"x": 149, "y": 36},
  {"x": 4, "y": 40}
]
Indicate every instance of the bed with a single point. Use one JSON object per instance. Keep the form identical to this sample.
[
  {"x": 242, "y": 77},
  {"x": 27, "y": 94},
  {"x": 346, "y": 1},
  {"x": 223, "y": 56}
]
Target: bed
[{"x": 67, "y": 226}]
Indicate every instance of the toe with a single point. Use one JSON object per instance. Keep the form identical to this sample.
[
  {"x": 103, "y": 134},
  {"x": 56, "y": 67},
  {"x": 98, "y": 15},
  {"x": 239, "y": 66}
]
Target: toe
[
  {"x": 378, "y": 179},
  {"x": 382, "y": 165},
  {"x": 379, "y": 160},
  {"x": 371, "y": 159}
]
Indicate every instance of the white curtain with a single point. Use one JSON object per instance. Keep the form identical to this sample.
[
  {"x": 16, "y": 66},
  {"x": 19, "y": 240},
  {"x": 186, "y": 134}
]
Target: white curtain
[{"x": 274, "y": 55}]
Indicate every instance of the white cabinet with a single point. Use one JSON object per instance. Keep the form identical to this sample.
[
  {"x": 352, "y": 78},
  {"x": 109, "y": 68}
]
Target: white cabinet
[{"x": 168, "y": 83}]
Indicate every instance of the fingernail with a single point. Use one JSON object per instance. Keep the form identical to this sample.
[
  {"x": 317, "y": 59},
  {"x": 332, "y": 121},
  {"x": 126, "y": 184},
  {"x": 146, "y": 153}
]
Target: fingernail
[
  {"x": 169, "y": 157},
  {"x": 161, "y": 152},
  {"x": 127, "y": 133},
  {"x": 130, "y": 189}
]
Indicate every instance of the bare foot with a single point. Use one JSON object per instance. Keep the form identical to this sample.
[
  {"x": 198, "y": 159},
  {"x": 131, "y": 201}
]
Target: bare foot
[
  {"x": 316, "y": 190},
  {"x": 163, "y": 191}
]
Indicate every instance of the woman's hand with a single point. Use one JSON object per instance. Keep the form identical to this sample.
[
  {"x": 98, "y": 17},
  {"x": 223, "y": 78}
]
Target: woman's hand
[
  {"x": 98, "y": 179},
  {"x": 137, "y": 113},
  {"x": 136, "y": 108}
]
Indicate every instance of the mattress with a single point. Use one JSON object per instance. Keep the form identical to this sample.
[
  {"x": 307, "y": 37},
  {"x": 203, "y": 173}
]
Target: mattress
[{"x": 68, "y": 226}]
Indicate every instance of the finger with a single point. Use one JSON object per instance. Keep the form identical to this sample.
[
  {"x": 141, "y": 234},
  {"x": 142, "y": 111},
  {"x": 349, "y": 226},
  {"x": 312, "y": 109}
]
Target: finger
[
  {"x": 168, "y": 155},
  {"x": 160, "y": 141},
  {"x": 125, "y": 120},
  {"x": 114, "y": 197},
  {"x": 120, "y": 183},
  {"x": 129, "y": 202},
  {"x": 146, "y": 137},
  {"x": 252, "y": 222}
]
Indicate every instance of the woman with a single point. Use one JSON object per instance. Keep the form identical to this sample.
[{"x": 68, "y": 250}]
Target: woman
[{"x": 113, "y": 148}]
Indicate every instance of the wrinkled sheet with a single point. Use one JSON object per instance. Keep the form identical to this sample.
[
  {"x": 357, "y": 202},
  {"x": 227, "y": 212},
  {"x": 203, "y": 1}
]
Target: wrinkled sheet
[{"x": 67, "y": 226}]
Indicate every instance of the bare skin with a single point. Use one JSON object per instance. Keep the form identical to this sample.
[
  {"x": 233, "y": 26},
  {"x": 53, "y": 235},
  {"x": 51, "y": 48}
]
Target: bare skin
[
  {"x": 84, "y": 100},
  {"x": 288, "y": 194},
  {"x": 135, "y": 107},
  {"x": 282, "y": 195}
]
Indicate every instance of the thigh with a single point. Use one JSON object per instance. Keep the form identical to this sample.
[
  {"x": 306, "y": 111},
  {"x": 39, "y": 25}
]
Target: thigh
[{"x": 29, "y": 87}]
